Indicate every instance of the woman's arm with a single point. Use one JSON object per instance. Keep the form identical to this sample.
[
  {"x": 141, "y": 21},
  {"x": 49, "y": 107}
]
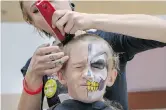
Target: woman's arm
[
  {"x": 31, "y": 102},
  {"x": 44, "y": 62},
  {"x": 136, "y": 25}
]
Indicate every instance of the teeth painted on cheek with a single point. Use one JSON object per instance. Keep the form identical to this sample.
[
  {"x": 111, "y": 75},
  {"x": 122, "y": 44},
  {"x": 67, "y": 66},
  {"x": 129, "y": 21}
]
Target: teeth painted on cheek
[{"x": 94, "y": 86}]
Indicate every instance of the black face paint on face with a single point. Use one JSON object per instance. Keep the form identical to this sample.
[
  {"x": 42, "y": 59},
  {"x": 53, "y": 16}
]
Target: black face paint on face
[{"x": 99, "y": 64}]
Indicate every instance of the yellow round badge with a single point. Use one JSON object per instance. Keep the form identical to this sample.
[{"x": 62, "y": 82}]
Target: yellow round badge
[{"x": 50, "y": 88}]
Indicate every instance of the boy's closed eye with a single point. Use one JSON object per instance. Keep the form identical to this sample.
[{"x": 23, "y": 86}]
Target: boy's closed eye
[
  {"x": 80, "y": 67},
  {"x": 79, "y": 64}
]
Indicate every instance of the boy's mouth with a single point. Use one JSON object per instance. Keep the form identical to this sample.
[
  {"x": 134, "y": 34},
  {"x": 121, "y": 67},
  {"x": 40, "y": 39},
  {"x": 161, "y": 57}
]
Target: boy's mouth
[{"x": 92, "y": 86}]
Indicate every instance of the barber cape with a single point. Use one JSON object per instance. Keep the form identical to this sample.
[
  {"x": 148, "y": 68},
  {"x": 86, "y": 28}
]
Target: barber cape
[{"x": 71, "y": 104}]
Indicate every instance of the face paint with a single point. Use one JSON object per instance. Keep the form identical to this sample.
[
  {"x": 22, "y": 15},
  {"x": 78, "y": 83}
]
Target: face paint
[
  {"x": 86, "y": 72},
  {"x": 97, "y": 71},
  {"x": 92, "y": 86}
]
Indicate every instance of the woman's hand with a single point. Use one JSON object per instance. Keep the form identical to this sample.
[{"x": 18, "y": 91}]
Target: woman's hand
[
  {"x": 47, "y": 60},
  {"x": 70, "y": 22}
]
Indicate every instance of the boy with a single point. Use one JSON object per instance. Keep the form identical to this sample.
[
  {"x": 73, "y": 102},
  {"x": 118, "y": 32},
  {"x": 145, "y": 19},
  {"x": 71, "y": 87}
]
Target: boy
[{"x": 92, "y": 66}]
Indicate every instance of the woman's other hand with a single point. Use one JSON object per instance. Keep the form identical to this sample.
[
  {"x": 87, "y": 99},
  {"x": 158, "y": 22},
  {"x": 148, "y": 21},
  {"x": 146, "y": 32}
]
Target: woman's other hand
[
  {"x": 47, "y": 60},
  {"x": 70, "y": 22}
]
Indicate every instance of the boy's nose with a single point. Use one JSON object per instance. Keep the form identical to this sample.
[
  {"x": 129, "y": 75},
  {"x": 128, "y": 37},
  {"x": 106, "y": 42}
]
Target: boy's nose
[{"x": 88, "y": 75}]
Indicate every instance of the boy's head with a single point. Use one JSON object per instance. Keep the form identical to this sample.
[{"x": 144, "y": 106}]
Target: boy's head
[{"x": 90, "y": 68}]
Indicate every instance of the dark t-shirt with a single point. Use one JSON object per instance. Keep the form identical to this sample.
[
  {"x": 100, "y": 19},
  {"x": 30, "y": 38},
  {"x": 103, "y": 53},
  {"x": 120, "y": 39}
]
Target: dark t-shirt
[{"x": 127, "y": 47}]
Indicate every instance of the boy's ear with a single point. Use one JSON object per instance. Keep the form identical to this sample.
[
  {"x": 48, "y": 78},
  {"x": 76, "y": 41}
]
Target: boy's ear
[
  {"x": 61, "y": 78},
  {"x": 111, "y": 77}
]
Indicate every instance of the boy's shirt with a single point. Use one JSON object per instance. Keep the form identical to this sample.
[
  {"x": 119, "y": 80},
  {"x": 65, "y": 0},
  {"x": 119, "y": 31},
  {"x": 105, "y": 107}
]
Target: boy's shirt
[{"x": 126, "y": 47}]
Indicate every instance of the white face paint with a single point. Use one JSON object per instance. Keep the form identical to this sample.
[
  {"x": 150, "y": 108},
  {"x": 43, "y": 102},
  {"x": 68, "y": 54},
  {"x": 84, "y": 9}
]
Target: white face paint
[{"x": 97, "y": 71}]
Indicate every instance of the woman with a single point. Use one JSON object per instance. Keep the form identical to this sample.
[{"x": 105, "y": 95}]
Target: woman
[{"x": 140, "y": 27}]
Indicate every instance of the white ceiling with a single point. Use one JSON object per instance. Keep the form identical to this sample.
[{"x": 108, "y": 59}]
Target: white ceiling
[{"x": 11, "y": 10}]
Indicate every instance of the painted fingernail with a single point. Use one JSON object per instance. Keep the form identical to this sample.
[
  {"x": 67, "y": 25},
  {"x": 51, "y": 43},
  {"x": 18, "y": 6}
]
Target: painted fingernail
[
  {"x": 67, "y": 57},
  {"x": 53, "y": 26},
  {"x": 64, "y": 34}
]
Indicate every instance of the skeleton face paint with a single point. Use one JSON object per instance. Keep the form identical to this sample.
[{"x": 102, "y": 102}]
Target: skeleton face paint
[
  {"x": 86, "y": 71},
  {"x": 97, "y": 71}
]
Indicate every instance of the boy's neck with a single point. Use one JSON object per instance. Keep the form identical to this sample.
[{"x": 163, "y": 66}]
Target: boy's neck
[{"x": 64, "y": 97}]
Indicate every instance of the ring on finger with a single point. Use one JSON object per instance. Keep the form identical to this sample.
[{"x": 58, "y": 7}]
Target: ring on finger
[
  {"x": 58, "y": 63},
  {"x": 52, "y": 58}
]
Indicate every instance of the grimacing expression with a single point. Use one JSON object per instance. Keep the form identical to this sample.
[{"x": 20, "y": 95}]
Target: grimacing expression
[
  {"x": 87, "y": 71},
  {"x": 37, "y": 19}
]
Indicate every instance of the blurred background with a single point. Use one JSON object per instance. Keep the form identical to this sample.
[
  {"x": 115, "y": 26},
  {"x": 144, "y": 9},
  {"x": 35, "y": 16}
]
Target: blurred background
[{"x": 146, "y": 73}]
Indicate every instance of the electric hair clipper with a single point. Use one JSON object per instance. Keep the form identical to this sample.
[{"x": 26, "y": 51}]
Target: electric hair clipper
[{"x": 47, "y": 10}]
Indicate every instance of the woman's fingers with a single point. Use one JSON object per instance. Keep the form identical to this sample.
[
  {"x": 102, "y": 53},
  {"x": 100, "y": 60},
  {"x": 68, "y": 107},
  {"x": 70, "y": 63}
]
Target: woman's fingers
[
  {"x": 58, "y": 65},
  {"x": 47, "y": 60},
  {"x": 59, "y": 19},
  {"x": 73, "y": 30},
  {"x": 61, "y": 23},
  {"x": 57, "y": 15},
  {"x": 47, "y": 50},
  {"x": 53, "y": 70},
  {"x": 61, "y": 61},
  {"x": 48, "y": 65},
  {"x": 69, "y": 26},
  {"x": 52, "y": 57},
  {"x": 44, "y": 45}
]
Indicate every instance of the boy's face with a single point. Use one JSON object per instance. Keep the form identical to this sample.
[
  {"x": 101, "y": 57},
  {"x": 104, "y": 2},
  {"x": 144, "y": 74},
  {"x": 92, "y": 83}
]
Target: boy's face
[{"x": 86, "y": 72}]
